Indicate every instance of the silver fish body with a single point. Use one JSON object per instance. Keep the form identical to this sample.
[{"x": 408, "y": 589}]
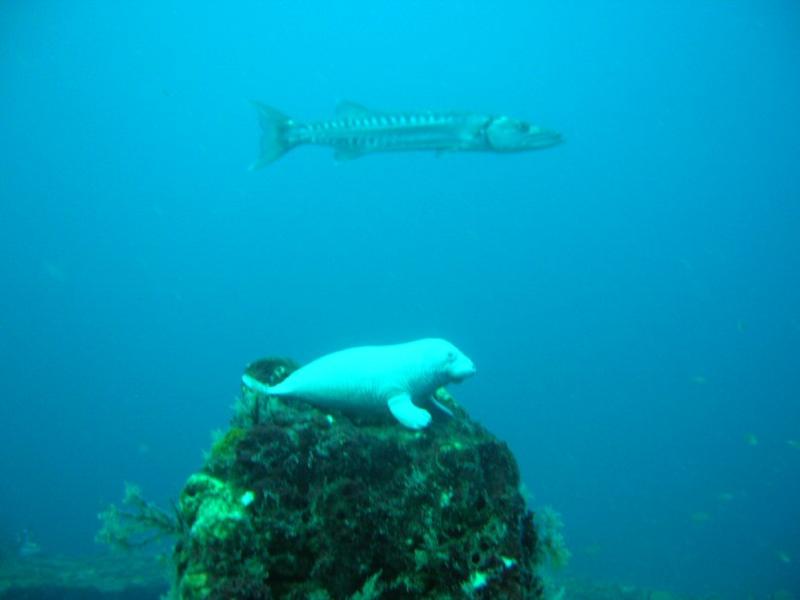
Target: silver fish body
[{"x": 356, "y": 131}]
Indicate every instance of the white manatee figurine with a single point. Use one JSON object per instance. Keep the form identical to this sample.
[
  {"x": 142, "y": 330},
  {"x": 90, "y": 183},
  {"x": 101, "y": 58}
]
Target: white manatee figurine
[{"x": 371, "y": 378}]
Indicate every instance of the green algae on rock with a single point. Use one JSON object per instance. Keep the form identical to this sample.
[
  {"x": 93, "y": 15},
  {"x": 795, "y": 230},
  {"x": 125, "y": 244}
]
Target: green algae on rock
[{"x": 295, "y": 502}]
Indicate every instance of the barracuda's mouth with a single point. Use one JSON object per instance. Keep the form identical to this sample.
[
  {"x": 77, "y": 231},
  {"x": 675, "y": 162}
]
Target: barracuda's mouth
[
  {"x": 543, "y": 138},
  {"x": 504, "y": 134}
]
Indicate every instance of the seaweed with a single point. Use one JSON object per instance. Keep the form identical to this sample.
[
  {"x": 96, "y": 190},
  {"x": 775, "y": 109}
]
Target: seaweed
[
  {"x": 296, "y": 502},
  {"x": 138, "y": 522}
]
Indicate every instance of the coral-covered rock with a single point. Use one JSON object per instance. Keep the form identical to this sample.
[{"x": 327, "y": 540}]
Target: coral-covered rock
[{"x": 297, "y": 503}]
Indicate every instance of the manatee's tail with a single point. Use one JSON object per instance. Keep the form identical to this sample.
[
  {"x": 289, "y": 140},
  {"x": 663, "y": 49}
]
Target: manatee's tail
[
  {"x": 254, "y": 384},
  {"x": 275, "y": 127}
]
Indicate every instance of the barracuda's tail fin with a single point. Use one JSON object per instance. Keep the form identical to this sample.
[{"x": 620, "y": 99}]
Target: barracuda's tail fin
[{"x": 274, "y": 139}]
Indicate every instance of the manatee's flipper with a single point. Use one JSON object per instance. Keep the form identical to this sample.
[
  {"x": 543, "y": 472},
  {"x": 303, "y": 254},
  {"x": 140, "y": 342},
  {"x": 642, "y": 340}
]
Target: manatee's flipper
[
  {"x": 410, "y": 415},
  {"x": 255, "y": 385},
  {"x": 441, "y": 406},
  {"x": 275, "y": 127}
]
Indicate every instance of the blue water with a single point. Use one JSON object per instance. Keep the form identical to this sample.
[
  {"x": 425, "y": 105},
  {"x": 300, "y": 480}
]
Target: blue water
[{"x": 631, "y": 298}]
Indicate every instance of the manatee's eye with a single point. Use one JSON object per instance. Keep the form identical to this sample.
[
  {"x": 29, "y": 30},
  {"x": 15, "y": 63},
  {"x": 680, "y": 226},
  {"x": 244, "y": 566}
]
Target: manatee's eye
[{"x": 451, "y": 355}]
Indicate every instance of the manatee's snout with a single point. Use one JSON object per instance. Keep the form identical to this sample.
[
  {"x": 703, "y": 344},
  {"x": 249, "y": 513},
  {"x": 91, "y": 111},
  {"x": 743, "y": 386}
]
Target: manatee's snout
[{"x": 462, "y": 368}]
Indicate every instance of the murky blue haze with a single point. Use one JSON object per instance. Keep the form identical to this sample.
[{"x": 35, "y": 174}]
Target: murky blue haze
[{"x": 631, "y": 298}]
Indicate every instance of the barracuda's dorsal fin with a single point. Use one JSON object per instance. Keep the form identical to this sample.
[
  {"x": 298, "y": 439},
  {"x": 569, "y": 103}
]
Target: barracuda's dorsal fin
[{"x": 346, "y": 108}]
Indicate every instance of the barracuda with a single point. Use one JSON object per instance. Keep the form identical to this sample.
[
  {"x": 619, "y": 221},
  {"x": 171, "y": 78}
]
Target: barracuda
[{"x": 357, "y": 131}]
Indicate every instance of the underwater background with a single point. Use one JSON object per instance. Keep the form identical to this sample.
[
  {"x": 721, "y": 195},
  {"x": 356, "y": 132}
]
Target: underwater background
[{"x": 631, "y": 298}]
